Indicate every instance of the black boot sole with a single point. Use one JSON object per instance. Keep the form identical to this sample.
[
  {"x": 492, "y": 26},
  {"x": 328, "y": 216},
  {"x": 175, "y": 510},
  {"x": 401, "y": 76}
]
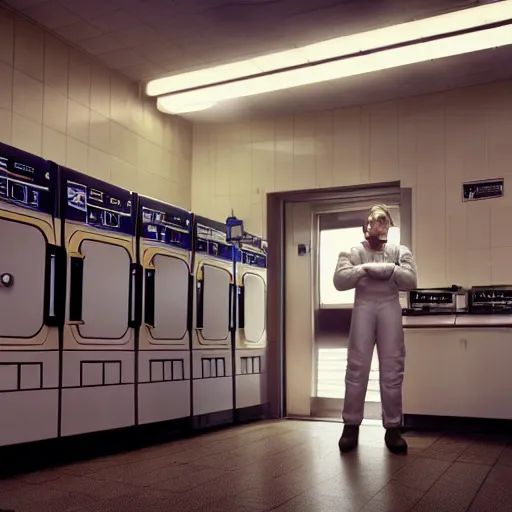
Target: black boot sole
[
  {"x": 397, "y": 450},
  {"x": 348, "y": 447}
]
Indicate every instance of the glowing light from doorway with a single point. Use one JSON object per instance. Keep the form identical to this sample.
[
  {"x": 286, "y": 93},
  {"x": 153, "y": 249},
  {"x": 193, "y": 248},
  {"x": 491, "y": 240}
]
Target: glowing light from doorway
[{"x": 332, "y": 242}]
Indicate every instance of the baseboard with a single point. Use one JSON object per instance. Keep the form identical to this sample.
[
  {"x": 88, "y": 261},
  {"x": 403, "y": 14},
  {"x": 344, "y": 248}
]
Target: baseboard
[
  {"x": 34, "y": 456},
  {"x": 213, "y": 420},
  {"x": 456, "y": 424},
  {"x": 253, "y": 413}
]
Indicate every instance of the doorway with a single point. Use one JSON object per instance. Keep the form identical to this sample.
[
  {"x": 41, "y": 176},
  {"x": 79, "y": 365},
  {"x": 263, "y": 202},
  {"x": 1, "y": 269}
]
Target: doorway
[
  {"x": 309, "y": 321},
  {"x": 339, "y": 231}
]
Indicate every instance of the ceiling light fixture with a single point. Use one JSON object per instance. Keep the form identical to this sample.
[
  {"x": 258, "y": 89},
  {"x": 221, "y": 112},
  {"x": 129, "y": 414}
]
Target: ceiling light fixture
[
  {"x": 333, "y": 70},
  {"x": 188, "y": 108},
  {"x": 414, "y": 31}
]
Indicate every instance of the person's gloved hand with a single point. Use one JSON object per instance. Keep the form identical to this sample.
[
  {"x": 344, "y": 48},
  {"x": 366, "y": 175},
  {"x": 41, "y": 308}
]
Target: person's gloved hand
[{"x": 379, "y": 271}]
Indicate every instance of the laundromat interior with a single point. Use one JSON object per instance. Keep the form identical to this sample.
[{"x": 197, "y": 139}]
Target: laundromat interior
[{"x": 177, "y": 180}]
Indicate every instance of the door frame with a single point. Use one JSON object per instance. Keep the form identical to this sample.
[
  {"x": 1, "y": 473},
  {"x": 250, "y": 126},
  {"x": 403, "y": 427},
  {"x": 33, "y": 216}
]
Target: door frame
[{"x": 276, "y": 283}]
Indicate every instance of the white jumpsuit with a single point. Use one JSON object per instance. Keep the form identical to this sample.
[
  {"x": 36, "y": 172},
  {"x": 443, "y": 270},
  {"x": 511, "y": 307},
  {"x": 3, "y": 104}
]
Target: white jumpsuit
[{"x": 376, "y": 318}]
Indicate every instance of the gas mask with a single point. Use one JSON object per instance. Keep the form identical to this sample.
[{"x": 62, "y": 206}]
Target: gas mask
[{"x": 377, "y": 224}]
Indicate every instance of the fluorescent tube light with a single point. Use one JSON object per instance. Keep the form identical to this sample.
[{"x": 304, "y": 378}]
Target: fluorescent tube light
[
  {"x": 188, "y": 108},
  {"x": 334, "y": 48},
  {"x": 421, "y": 52}
]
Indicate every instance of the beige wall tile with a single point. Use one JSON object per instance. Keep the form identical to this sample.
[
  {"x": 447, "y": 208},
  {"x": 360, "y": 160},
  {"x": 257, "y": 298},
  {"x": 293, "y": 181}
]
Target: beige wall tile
[
  {"x": 100, "y": 91},
  {"x": 384, "y": 142},
  {"x": 241, "y": 168},
  {"x": 56, "y": 64},
  {"x": 27, "y": 134},
  {"x": 407, "y": 141},
  {"x": 304, "y": 152},
  {"x": 6, "y": 76},
  {"x": 348, "y": 142},
  {"x": 121, "y": 96},
  {"x": 79, "y": 79},
  {"x": 123, "y": 174},
  {"x": 324, "y": 150},
  {"x": 28, "y": 48},
  {"x": 499, "y": 128},
  {"x": 148, "y": 156},
  {"x": 54, "y": 145},
  {"x": 55, "y": 102},
  {"x": 55, "y": 109},
  {"x": 76, "y": 155},
  {"x": 78, "y": 121},
  {"x": 284, "y": 154},
  {"x": 6, "y": 37},
  {"x": 99, "y": 131},
  {"x": 98, "y": 165},
  {"x": 124, "y": 143},
  {"x": 479, "y": 264},
  {"x": 28, "y": 97},
  {"x": 431, "y": 143},
  {"x": 500, "y": 265},
  {"x": 5, "y": 125}
]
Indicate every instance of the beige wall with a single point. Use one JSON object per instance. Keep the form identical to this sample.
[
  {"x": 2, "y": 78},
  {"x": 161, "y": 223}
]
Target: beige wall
[
  {"x": 57, "y": 102},
  {"x": 431, "y": 143}
]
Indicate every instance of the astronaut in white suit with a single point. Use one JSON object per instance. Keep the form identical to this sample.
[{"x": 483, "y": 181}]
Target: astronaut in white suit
[{"x": 378, "y": 271}]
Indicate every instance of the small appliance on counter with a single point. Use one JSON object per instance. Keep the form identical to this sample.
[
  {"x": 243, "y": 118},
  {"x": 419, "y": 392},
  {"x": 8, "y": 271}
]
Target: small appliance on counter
[
  {"x": 487, "y": 306},
  {"x": 431, "y": 307}
]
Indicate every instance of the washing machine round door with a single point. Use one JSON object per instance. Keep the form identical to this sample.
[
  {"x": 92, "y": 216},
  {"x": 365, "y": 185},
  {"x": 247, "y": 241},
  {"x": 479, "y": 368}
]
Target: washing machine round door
[
  {"x": 171, "y": 298},
  {"x": 22, "y": 280},
  {"x": 106, "y": 290},
  {"x": 254, "y": 308},
  {"x": 216, "y": 304}
]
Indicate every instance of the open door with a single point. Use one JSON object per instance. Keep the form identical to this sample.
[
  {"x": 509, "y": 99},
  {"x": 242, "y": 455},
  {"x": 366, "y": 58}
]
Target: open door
[
  {"x": 317, "y": 316},
  {"x": 339, "y": 231}
]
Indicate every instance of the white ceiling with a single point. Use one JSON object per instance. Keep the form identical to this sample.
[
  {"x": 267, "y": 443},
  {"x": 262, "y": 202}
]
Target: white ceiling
[{"x": 149, "y": 38}]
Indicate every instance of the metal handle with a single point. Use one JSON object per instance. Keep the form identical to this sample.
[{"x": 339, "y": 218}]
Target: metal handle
[
  {"x": 190, "y": 306},
  {"x": 241, "y": 307},
  {"x": 76, "y": 283},
  {"x": 232, "y": 291},
  {"x": 199, "y": 300},
  {"x": 51, "y": 302},
  {"x": 55, "y": 286},
  {"x": 135, "y": 313},
  {"x": 149, "y": 298}
]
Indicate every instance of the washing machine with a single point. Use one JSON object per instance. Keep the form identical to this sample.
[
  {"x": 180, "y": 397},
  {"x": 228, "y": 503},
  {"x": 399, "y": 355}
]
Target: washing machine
[
  {"x": 251, "y": 328},
  {"x": 102, "y": 315},
  {"x": 31, "y": 285},
  {"x": 165, "y": 245},
  {"x": 213, "y": 333}
]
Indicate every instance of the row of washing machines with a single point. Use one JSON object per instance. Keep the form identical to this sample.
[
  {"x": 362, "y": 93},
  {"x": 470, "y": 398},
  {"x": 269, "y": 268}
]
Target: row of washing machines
[{"x": 118, "y": 310}]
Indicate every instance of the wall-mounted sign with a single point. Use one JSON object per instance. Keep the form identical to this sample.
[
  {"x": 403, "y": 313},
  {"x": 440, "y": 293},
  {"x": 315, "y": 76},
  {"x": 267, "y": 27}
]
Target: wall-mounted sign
[{"x": 485, "y": 189}]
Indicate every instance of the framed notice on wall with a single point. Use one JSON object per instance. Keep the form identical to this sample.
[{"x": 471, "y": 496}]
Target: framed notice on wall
[{"x": 484, "y": 189}]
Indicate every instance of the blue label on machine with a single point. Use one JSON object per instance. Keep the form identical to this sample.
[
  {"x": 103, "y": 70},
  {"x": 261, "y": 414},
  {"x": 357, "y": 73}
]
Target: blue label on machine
[
  {"x": 27, "y": 180},
  {"x": 254, "y": 259},
  {"x": 212, "y": 241},
  {"x": 167, "y": 224},
  {"x": 253, "y": 251},
  {"x": 98, "y": 204}
]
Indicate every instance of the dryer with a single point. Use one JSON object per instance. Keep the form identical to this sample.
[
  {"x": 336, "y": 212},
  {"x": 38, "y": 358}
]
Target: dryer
[
  {"x": 98, "y": 367},
  {"x": 212, "y": 341},
  {"x": 251, "y": 328},
  {"x": 31, "y": 281},
  {"x": 165, "y": 245}
]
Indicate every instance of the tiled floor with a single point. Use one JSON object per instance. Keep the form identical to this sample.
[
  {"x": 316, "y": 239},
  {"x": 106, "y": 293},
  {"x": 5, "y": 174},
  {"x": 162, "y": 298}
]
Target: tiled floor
[{"x": 284, "y": 466}]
